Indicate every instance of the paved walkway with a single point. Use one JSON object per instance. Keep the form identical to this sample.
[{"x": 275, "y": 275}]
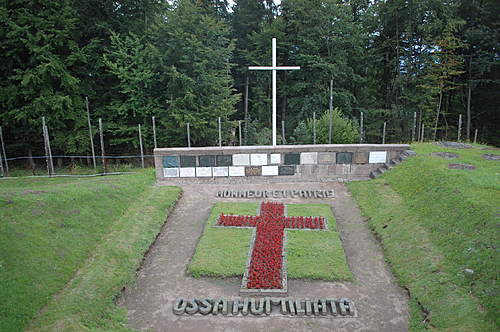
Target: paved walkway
[{"x": 381, "y": 304}]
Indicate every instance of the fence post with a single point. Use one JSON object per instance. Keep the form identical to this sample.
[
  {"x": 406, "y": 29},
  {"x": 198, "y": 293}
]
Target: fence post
[
  {"x": 188, "y": 135},
  {"x": 383, "y": 134},
  {"x": 283, "y": 139},
  {"x": 314, "y": 127},
  {"x": 459, "y": 127},
  {"x": 361, "y": 129},
  {"x": 4, "y": 154},
  {"x": 90, "y": 132},
  {"x": 239, "y": 131},
  {"x": 475, "y": 136},
  {"x": 246, "y": 112},
  {"x": 140, "y": 145},
  {"x": 154, "y": 130},
  {"x": 331, "y": 114},
  {"x": 220, "y": 133},
  {"x": 414, "y": 126},
  {"x": 103, "y": 153}
]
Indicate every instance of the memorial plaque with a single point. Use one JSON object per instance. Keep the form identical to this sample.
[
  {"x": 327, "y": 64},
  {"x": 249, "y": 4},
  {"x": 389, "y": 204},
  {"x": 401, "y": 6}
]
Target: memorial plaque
[
  {"x": 253, "y": 171},
  {"x": 241, "y": 159},
  {"x": 361, "y": 157},
  {"x": 309, "y": 158},
  {"x": 170, "y": 161},
  {"x": 286, "y": 170},
  {"x": 344, "y": 157},
  {"x": 221, "y": 171},
  {"x": 206, "y": 161},
  {"x": 377, "y": 157},
  {"x": 292, "y": 159},
  {"x": 203, "y": 172},
  {"x": 275, "y": 158},
  {"x": 326, "y": 158},
  {"x": 187, "y": 172},
  {"x": 269, "y": 170},
  {"x": 236, "y": 171},
  {"x": 188, "y": 161},
  {"x": 258, "y": 159},
  {"x": 171, "y": 172},
  {"x": 224, "y": 160}
]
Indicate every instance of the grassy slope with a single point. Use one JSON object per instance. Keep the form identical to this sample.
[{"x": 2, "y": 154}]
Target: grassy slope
[
  {"x": 49, "y": 227},
  {"x": 316, "y": 255},
  {"x": 434, "y": 223}
]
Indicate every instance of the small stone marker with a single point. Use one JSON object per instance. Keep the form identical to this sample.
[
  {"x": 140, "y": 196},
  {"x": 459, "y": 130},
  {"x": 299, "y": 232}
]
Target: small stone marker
[
  {"x": 491, "y": 156},
  {"x": 446, "y": 155},
  {"x": 292, "y": 159},
  {"x": 344, "y": 157},
  {"x": 286, "y": 170},
  {"x": 309, "y": 158},
  {"x": 253, "y": 171},
  {"x": 206, "y": 161},
  {"x": 377, "y": 157},
  {"x": 170, "y": 161},
  {"x": 224, "y": 160},
  {"x": 462, "y": 167},
  {"x": 241, "y": 159},
  {"x": 275, "y": 158},
  {"x": 269, "y": 170},
  {"x": 326, "y": 158},
  {"x": 258, "y": 159},
  {"x": 203, "y": 172},
  {"x": 221, "y": 171},
  {"x": 188, "y": 161},
  {"x": 236, "y": 171},
  {"x": 187, "y": 172},
  {"x": 171, "y": 172},
  {"x": 454, "y": 145}
]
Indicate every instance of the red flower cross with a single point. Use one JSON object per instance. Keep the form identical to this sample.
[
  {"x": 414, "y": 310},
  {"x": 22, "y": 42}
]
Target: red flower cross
[{"x": 265, "y": 270}]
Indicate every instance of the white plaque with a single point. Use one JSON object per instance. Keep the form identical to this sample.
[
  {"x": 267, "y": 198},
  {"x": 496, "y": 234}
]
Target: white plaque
[
  {"x": 203, "y": 172},
  {"x": 241, "y": 159},
  {"x": 171, "y": 172},
  {"x": 275, "y": 158},
  {"x": 236, "y": 170},
  {"x": 258, "y": 159},
  {"x": 187, "y": 172},
  {"x": 309, "y": 158},
  {"x": 377, "y": 157},
  {"x": 269, "y": 170},
  {"x": 221, "y": 171}
]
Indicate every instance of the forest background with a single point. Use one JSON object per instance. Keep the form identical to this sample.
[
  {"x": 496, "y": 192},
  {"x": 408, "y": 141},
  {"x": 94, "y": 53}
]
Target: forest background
[{"x": 186, "y": 61}]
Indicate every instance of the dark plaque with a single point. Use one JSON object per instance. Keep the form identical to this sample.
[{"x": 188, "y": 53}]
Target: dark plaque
[
  {"x": 224, "y": 160},
  {"x": 292, "y": 159},
  {"x": 286, "y": 170},
  {"x": 188, "y": 161},
  {"x": 170, "y": 161},
  {"x": 344, "y": 157},
  {"x": 253, "y": 171},
  {"x": 206, "y": 161}
]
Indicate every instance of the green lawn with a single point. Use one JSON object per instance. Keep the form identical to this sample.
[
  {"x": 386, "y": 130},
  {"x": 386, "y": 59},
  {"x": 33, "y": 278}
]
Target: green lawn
[
  {"x": 311, "y": 254},
  {"x": 68, "y": 245},
  {"x": 440, "y": 232}
]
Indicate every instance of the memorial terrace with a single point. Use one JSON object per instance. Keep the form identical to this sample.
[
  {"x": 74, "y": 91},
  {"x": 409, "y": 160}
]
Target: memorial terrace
[{"x": 282, "y": 163}]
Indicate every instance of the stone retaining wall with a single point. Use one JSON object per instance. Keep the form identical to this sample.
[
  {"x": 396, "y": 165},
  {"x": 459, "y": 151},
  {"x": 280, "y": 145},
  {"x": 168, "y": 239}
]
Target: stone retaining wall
[{"x": 326, "y": 162}]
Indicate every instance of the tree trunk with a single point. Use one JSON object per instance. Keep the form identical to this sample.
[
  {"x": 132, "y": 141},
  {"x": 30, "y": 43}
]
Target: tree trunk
[{"x": 437, "y": 114}]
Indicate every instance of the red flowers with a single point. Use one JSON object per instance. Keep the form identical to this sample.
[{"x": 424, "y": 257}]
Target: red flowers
[{"x": 265, "y": 271}]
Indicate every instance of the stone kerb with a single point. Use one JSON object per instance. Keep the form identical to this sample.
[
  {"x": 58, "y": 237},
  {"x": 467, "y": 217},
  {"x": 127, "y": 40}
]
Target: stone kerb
[{"x": 323, "y": 162}]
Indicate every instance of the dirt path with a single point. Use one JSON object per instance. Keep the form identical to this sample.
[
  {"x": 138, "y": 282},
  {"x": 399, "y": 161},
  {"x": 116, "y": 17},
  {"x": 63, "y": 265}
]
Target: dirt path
[{"x": 381, "y": 304}]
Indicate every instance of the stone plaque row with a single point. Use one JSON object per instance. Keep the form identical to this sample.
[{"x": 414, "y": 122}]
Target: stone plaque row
[{"x": 191, "y": 172}]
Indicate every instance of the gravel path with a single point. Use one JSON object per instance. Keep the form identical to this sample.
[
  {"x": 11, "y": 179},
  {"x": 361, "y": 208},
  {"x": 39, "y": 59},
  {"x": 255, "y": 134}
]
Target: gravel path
[{"x": 381, "y": 304}]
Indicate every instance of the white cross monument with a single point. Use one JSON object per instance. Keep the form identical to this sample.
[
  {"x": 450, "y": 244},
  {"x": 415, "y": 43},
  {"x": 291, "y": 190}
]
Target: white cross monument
[{"x": 274, "y": 67}]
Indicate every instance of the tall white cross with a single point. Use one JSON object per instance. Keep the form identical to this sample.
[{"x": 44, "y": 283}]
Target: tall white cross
[{"x": 274, "y": 67}]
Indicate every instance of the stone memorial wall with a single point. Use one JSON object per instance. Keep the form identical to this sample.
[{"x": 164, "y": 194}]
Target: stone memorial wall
[{"x": 282, "y": 162}]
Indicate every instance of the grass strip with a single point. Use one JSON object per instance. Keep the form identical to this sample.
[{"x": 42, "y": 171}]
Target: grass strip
[
  {"x": 434, "y": 223},
  {"x": 87, "y": 303},
  {"x": 311, "y": 254}
]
